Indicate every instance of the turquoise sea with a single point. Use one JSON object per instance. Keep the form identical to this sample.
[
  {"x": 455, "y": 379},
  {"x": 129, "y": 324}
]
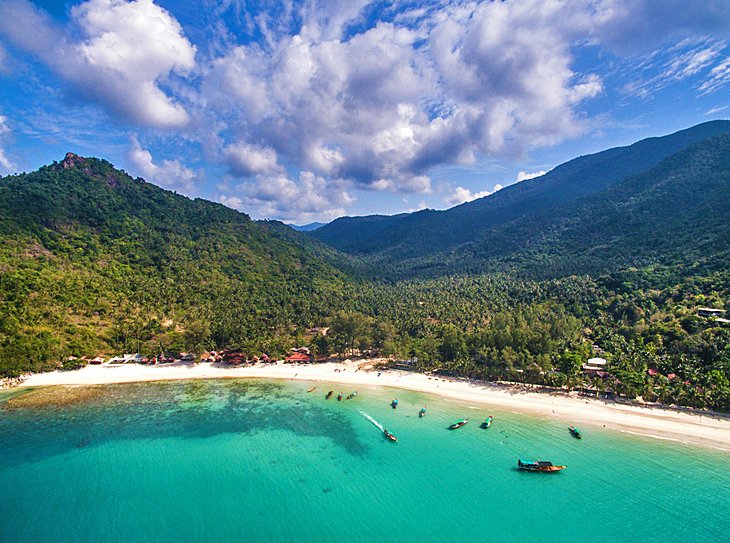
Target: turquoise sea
[{"x": 245, "y": 460}]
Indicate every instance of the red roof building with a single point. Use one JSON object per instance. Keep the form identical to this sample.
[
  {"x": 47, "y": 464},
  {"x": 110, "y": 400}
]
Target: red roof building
[{"x": 298, "y": 357}]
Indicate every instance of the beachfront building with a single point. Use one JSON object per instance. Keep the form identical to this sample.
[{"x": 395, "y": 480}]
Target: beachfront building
[
  {"x": 297, "y": 357},
  {"x": 595, "y": 367}
]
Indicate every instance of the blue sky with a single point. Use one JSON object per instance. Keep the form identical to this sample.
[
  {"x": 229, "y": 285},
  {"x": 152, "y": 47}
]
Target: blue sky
[{"x": 306, "y": 111}]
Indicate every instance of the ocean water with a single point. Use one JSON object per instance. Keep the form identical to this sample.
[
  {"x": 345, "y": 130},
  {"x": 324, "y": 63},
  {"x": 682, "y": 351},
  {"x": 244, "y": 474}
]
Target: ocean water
[{"x": 247, "y": 460}]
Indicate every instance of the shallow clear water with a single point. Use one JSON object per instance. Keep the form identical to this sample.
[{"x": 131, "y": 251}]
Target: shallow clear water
[{"x": 237, "y": 460}]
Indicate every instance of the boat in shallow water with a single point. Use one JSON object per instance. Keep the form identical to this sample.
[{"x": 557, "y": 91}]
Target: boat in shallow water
[
  {"x": 458, "y": 424},
  {"x": 538, "y": 465},
  {"x": 329, "y": 394},
  {"x": 394, "y": 403},
  {"x": 339, "y": 397},
  {"x": 312, "y": 389},
  {"x": 575, "y": 432},
  {"x": 487, "y": 423},
  {"x": 351, "y": 396},
  {"x": 422, "y": 412},
  {"x": 389, "y": 435}
]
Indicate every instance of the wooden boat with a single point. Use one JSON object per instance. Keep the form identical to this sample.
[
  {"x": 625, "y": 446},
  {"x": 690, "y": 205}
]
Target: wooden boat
[
  {"x": 312, "y": 389},
  {"x": 458, "y": 424},
  {"x": 575, "y": 432},
  {"x": 487, "y": 423},
  {"x": 422, "y": 412},
  {"x": 394, "y": 403},
  {"x": 351, "y": 396},
  {"x": 389, "y": 435},
  {"x": 538, "y": 465},
  {"x": 329, "y": 394},
  {"x": 339, "y": 397}
]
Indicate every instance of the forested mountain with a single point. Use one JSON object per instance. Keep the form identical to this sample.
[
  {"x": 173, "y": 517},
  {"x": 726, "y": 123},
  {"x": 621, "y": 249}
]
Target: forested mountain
[
  {"x": 93, "y": 260},
  {"x": 532, "y": 221}
]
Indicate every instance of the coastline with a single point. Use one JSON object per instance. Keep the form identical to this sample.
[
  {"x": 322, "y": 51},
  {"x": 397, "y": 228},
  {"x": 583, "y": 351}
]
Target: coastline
[{"x": 704, "y": 429}]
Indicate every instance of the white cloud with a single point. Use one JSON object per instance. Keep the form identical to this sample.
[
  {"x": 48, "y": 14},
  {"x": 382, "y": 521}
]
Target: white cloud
[
  {"x": 126, "y": 51},
  {"x": 469, "y": 79},
  {"x": 6, "y": 166},
  {"x": 246, "y": 160},
  {"x": 523, "y": 176},
  {"x": 462, "y": 195},
  {"x": 309, "y": 198},
  {"x": 169, "y": 174},
  {"x": 716, "y": 110}
]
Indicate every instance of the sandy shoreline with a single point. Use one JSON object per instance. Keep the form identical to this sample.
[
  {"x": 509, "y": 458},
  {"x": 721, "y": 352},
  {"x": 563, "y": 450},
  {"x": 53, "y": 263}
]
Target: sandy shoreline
[{"x": 699, "y": 429}]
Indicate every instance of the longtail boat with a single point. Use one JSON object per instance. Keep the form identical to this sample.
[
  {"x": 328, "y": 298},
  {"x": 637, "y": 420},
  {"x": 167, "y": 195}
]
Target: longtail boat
[
  {"x": 339, "y": 397},
  {"x": 351, "y": 396},
  {"x": 422, "y": 412},
  {"x": 487, "y": 423},
  {"x": 329, "y": 394},
  {"x": 458, "y": 424},
  {"x": 575, "y": 432},
  {"x": 394, "y": 403},
  {"x": 389, "y": 435},
  {"x": 312, "y": 389},
  {"x": 538, "y": 465}
]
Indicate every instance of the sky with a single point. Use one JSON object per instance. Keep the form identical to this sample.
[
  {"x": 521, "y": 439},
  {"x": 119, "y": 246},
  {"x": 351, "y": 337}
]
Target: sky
[{"x": 305, "y": 111}]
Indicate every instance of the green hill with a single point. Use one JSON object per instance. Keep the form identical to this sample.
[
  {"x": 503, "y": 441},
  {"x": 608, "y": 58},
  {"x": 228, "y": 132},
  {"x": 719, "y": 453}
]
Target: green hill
[
  {"x": 95, "y": 261},
  {"x": 483, "y": 234}
]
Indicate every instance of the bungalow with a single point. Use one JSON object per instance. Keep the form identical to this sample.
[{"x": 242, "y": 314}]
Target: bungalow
[
  {"x": 119, "y": 359},
  {"x": 97, "y": 360},
  {"x": 234, "y": 358},
  {"x": 594, "y": 366},
  {"x": 405, "y": 365},
  {"x": 298, "y": 357},
  {"x": 138, "y": 359}
]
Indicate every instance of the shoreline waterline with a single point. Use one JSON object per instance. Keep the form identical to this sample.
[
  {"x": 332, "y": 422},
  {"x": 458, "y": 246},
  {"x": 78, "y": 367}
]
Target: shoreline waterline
[{"x": 703, "y": 429}]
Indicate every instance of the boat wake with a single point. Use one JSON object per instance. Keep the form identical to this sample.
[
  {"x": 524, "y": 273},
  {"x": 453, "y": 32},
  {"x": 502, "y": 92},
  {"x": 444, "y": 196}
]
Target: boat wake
[{"x": 371, "y": 419}]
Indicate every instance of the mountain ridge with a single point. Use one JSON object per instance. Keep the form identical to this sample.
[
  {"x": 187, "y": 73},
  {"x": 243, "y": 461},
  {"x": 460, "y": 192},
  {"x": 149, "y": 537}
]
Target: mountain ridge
[{"x": 383, "y": 234}]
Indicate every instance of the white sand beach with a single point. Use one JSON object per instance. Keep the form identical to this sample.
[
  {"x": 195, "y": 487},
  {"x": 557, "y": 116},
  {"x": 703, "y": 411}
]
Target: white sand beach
[{"x": 689, "y": 427}]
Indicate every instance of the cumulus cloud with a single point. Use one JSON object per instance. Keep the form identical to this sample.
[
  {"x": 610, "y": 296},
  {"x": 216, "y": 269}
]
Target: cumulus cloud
[
  {"x": 277, "y": 196},
  {"x": 5, "y": 165},
  {"x": 463, "y": 81},
  {"x": 125, "y": 51},
  {"x": 246, "y": 160},
  {"x": 462, "y": 195},
  {"x": 522, "y": 176},
  {"x": 170, "y": 174}
]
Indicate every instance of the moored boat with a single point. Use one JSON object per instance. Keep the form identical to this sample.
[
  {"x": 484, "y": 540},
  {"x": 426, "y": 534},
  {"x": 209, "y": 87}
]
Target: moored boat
[
  {"x": 538, "y": 465},
  {"x": 312, "y": 389},
  {"x": 339, "y": 397},
  {"x": 458, "y": 424},
  {"x": 422, "y": 412},
  {"x": 394, "y": 403},
  {"x": 329, "y": 394},
  {"x": 488, "y": 422},
  {"x": 575, "y": 432},
  {"x": 351, "y": 396},
  {"x": 389, "y": 435}
]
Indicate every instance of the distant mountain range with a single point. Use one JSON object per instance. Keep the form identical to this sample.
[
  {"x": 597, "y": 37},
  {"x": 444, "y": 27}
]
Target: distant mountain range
[
  {"x": 307, "y": 227},
  {"x": 660, "y": 200}
]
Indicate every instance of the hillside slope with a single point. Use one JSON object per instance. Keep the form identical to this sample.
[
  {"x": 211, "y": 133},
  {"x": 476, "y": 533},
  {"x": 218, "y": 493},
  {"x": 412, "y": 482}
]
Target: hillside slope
[
  {"x": 431, "y": 232},
  {"x": 93, "y": 260}
]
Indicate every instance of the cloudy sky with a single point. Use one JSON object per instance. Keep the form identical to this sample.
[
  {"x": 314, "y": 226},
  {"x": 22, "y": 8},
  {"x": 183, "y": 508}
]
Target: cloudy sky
[{"x": 309, "y": 110}]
